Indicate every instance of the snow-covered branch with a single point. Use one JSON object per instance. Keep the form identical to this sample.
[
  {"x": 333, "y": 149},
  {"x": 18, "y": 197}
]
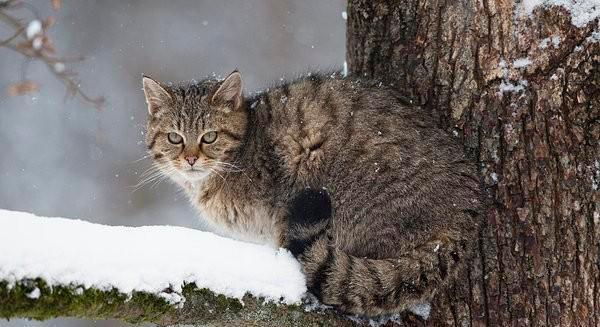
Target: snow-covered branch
[{"x": 53, "y": 267}]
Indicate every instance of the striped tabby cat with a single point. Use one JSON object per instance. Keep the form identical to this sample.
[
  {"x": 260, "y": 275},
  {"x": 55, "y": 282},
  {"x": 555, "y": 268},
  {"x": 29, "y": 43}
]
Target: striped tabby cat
[{"x": 379, "y": 205}]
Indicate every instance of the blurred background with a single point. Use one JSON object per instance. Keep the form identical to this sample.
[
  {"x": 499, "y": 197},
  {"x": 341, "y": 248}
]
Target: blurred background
[{"x": 69, "y": 159}]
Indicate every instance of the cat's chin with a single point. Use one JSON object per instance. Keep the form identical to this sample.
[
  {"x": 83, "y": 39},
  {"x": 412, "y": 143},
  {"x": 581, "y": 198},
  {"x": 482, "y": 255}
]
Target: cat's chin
[{"x": 194, "y": 175}]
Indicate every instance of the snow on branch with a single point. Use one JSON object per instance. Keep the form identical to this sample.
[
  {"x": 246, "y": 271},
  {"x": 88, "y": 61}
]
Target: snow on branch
[{"x": 61, "y": 267}]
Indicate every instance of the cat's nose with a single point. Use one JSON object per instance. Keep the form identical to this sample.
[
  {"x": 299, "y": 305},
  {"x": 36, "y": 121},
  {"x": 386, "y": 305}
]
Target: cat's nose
[{"x": 191, "y": 160}]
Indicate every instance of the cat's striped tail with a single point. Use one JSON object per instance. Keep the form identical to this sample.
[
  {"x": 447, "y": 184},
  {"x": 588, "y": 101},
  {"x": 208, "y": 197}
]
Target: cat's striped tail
[
  {"x": 367, "y": 286},
  {"x": 373, "y": 287}
]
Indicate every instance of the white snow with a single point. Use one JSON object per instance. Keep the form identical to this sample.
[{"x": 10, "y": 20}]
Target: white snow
[
  {"x": 554, "y": 40},
  {"x": 147, "y": 259},
  {"x": 521, "y": 62},
  {"x": 423, "y": 310},
  {"x": 494, "y": 177},
  {"x": 582, "y": 11},
  {"x": 344, "y": 15},
  {"x": 59, "y": 67},
  {"x": 35, "y": 294},
  {"x": 33, "y": 28},
  {"x": 37, "y": 43},
  {"x": 507, "y": 86}
]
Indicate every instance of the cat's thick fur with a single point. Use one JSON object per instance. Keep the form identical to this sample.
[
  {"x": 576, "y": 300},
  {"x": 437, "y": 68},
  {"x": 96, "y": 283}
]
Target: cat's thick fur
[{"x": 379, "y": 205}]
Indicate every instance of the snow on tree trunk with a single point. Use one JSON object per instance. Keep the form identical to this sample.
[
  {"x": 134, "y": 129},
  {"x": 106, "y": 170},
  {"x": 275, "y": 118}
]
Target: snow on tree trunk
[{"x": 520, "y": 84}]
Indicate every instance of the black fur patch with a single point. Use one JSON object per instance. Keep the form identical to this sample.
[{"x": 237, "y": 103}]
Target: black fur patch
[{"x": 309, "y": 207}]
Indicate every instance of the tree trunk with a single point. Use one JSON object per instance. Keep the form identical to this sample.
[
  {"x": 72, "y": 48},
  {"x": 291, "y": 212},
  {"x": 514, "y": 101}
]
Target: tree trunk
[{"x": 523, "y": 93}]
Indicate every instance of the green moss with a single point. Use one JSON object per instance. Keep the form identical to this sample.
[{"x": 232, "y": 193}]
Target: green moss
[
  {"x": 75, "y": 301},
  {"x": 201, "y": 306}
]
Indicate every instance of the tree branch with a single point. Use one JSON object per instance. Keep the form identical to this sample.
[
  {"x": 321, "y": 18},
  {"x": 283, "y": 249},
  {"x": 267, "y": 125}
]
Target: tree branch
[
  {"x": 34, "y": 299},
  {"x": 39, "y": 47}
]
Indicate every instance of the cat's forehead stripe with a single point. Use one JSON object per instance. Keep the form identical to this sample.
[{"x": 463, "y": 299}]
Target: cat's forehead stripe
[{"x": 188, "y": 114}]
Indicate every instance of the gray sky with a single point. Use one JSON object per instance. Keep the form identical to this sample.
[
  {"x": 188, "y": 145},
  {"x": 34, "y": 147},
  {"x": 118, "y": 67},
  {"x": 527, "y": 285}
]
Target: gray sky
[{"x": 68, "y": 159}]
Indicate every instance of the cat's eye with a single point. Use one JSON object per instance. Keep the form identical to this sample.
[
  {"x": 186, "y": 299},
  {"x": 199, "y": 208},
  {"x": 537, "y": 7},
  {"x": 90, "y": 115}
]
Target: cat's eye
[
  {"x": 174, "y": 138},
  {"x": 209, "y": 137}
]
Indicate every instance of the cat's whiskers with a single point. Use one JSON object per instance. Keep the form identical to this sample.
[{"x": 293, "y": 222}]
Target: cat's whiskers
[
  {"x": 227, "y": 168},
  {"x": 148, "y": 175},
  {"x": 222, "y": 165},
  {"x": 154, "y": 175},
  {"x": 216, "y": 172},
  {"x": 144, "y": 157}
]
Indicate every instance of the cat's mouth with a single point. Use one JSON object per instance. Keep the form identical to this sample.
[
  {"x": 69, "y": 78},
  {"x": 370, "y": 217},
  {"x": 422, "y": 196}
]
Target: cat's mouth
[{"x": 194, "y": 173}]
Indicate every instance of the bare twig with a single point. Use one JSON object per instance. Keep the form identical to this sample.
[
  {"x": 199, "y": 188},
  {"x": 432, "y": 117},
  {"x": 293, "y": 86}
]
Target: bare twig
[
  {"x": 35, "y": 44},
  {"x": 14, "y": 36}
]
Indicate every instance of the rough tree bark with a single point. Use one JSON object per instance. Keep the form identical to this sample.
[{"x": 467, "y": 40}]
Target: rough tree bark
[{"x": 534, "y": 127}]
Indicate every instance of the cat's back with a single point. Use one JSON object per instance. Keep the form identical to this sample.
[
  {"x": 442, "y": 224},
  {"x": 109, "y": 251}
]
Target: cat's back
[
  {"x": 320, "y": 126},
  {"x": 324, "y": 101}
]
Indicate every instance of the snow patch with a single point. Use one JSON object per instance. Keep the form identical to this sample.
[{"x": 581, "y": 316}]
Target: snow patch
[
  {"x": 507, "y": 86},
  {"x": 521, "y": 62},
  {"x": 554, "y": 40},
  {"x": 582, "y": 11},
  {"x": 494, "y": 177},
  {"x": 422, "y": 310},
  {"x": 154, "y": 259},
  {"x": 33, "y": 29},
  {"x": 595, "y": 37},
  {"x": 344, "y": 15},
  {"x": 35, "y": 294},
  {"x": 59, "y": 67},
  {"x": 37, "y": 43},
  {"x": 172, "y": 298}
]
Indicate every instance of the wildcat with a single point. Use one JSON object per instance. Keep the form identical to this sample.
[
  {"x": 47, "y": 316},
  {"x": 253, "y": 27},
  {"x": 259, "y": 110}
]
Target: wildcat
[{"x": 379, "y": 205}]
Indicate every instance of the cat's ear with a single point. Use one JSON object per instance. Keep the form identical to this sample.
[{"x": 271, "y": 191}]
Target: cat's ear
[
  {"x": 230, "y": 91},
  {"x": 156, "y": 95}
]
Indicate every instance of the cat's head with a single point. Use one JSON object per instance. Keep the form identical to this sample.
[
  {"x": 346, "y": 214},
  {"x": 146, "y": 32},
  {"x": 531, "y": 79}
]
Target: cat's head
[{"x": 195, "y": 129}]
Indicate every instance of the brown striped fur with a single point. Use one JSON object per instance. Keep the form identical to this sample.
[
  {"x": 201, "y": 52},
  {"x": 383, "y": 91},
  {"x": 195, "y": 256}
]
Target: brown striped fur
[{"x": 379, "y": 205}]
